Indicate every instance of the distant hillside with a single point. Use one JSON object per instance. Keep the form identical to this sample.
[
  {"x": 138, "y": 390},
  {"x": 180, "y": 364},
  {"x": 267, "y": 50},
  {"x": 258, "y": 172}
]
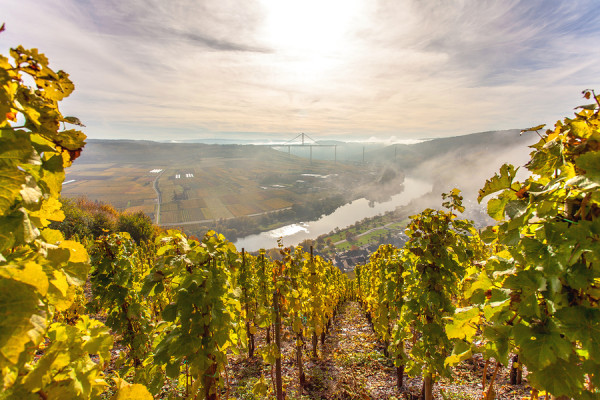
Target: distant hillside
[
  {"x": 410, "y": 156},
  {"x": 194, "y": 184},
  {"x": 460, "y": 161},
  {"x": 149, "y": 152}
]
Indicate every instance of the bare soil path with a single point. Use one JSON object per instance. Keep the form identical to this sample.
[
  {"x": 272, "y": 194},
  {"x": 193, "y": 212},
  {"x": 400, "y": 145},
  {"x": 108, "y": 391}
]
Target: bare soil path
[{"x": 351, "y": 365}]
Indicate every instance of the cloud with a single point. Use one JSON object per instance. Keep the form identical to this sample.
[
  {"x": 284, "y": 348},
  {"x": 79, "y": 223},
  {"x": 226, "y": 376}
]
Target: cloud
[
  {"x": 217, "y": 44},
  {"x": 409, "y": 69},
  {"x": 388, "y": 140}
]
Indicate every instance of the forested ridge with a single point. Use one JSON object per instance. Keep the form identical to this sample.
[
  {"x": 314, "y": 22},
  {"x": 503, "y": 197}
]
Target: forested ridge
[{"x": 107, "y": 315}]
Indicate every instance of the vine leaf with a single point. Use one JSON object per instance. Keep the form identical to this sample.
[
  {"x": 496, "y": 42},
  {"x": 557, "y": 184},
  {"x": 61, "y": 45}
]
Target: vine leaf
[
  {"x": 22, "y": 323},
  {"x": 462, "y": 351},
  {"x": 464, "y": 324},
  {"x": 499, "y": 182},
  {"x": 559, "y": 378},
  {"x": 582, "y": 324},
  {"x": 133, "y": 392},
  {"x": 541, "y": 348},
  {"x": 590, "y": 162},
  {"x": 534, "y": 129}
]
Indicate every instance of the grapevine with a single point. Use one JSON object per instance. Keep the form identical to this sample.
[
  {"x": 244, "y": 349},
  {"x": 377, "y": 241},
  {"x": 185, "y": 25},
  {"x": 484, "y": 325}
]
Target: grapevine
[
  {"x": 538, "y": 296},
  {"x": 40, "y": 272}
]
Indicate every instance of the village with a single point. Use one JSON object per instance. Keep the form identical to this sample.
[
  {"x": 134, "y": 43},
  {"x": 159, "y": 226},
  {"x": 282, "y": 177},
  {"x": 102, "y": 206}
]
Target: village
[{"x": 346, "y": 258}]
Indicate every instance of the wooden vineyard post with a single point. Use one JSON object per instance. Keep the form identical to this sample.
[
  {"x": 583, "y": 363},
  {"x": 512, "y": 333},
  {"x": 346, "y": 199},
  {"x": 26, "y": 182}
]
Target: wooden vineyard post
[
  {"x": 302, "y": 376},
  {"x": 249, "y": 334},
  {"x": 516, "y": 372},
  {"x": 299, "y": 337},
  {"x": 278, "y": 381},
  {"x": 400, "y": 304},
  {"x": 428, "y": 387},
  {"x": 315, "y": 340},
  {"x": 400, "y": 377},
  {"x": 328, "y": 324},
  {"x": 268, "y": 335}
]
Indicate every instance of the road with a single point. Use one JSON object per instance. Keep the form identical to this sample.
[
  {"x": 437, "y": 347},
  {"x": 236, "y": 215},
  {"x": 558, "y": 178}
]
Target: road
[
  {"x": 158, "y": 196},
  {"x": 214, "y": 219}
]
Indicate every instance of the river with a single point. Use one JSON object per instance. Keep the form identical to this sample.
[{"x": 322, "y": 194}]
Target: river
[{"x": 343, "y": 217}]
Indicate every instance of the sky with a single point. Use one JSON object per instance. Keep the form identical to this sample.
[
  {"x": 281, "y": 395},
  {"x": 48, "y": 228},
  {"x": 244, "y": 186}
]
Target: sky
[{"x": 336, "y": 69}]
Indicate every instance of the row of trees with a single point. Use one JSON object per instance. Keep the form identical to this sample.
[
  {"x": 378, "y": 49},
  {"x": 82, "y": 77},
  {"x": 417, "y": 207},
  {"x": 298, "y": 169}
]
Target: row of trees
[
  {"x": 236, "y": 228},
  {"x": 88, "y": 219}
]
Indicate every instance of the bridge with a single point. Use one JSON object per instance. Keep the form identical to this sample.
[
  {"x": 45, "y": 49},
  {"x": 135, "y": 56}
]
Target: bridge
[{"x": 303, "y": 140}]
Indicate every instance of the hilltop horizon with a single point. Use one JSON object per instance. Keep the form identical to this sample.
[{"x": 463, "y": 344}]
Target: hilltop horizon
[{"x": 262, "y": 138}]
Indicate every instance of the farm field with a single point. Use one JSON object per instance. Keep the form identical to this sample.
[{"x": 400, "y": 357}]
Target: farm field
[
  {"x": 126, "y": 186},
  {"x": 199, "y": 183}
]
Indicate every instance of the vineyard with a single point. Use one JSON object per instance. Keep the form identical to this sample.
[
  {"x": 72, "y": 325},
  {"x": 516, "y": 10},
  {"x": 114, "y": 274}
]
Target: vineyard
[{"x": 109, "y": 317}]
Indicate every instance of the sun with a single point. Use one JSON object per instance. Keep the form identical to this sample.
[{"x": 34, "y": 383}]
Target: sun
[{"x": 310, "y": 27}]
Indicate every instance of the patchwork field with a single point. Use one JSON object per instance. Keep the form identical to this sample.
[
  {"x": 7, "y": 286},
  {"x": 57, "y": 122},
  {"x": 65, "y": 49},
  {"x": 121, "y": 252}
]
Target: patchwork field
[
  {"x": 125, "y": 186},
  {"x": 197, "y": 183},
  {"x": 225, "y": 188}
]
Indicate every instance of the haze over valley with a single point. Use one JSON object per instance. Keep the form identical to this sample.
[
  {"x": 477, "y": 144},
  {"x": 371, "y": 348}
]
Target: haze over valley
[{"x": 242, "y": 190}]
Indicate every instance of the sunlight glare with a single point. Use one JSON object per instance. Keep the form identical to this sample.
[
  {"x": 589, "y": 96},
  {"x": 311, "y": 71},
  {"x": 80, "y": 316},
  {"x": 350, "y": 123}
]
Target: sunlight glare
[{"x": 311, "y": 27}]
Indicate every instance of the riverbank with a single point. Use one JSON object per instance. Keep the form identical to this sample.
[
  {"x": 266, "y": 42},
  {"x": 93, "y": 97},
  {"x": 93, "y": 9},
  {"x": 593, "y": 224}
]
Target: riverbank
[{"x": 342, "y": 217}]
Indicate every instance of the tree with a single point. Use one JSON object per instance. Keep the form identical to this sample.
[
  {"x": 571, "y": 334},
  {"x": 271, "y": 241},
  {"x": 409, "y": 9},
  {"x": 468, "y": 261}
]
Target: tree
[
  {"x": 138, "y": 225},
  {"x": 350, "y": 237}
]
